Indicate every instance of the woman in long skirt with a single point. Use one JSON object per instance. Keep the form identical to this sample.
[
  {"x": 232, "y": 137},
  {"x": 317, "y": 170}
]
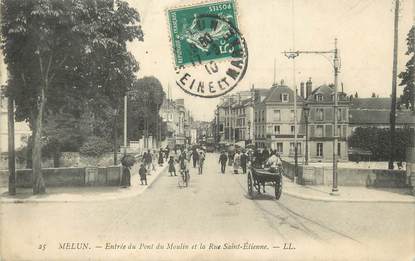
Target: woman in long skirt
[{"x": 236, "y": 162}]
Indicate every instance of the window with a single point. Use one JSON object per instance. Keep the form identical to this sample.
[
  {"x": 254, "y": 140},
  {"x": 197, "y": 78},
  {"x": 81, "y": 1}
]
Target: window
[
  {"x": 293, "y": 129},
  {"x": 263, "y": 116},
  {"x": 277, "y": 115},
  {"x": 292, "y": 114},
  {"x": 299, "y": 148},
  {"x": 319, "y": 114},
  {"x": 339, "y": 147},
  {"x": 256, "y": 117},
  {"x": 339, "y": 131},
  {"x": 318, "y": 97},
  {"x": 319, "y": 131},
  {"x": 285, "y": 97},
  {"x": 277, "y": 129},
  {"x": 279, "y": 147},
  {"x": 319, "y": 149},
  {"x": 292, "y": 148},
  {"x": 339, "y": 114},
  {"x": 220, "y": 127}
]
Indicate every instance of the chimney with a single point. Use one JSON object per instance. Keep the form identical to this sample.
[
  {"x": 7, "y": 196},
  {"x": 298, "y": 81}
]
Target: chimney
[
  {"x": 309, "y": 87},
  {"x": 302, "y": 89}
]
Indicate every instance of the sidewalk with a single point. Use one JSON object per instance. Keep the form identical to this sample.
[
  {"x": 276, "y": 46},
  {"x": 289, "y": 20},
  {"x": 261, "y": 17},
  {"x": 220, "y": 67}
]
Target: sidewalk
[
  {"x": 348, "y": 194},
  {"x": 83, "y": 194}
]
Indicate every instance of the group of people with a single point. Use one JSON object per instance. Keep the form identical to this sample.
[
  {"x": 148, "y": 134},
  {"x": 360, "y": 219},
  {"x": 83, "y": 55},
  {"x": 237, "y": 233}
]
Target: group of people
[
  {"x": 238, "y": 160},
  {"x": 149, "y": 158},
  {"x": 197, "y": 155},
  {"x": 267, "y": 158}
]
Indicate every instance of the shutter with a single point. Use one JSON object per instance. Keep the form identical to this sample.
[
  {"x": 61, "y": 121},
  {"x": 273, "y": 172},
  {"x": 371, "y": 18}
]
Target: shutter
[
  {"x": 328, "y": 114},
  {"x": 311, "y": 131},
  {"x": 345, "y": 131},
  {"x": 328, "y": 131},
  {"x": 312, "y": 114},
  {"x": 345, "y": 115}
]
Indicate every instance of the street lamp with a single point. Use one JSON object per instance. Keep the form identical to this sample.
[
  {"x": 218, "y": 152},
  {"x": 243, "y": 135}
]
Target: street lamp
[
  {"x": 306, "y": 110},
  {"x": 249, "y": 131}
]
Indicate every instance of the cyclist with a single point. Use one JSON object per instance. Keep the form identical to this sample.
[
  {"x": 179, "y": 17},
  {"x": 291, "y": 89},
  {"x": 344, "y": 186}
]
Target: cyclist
[{"x": 184, "y": 171}]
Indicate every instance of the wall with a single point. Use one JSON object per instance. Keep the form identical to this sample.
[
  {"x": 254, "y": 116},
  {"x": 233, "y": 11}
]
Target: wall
[
  {"x": 68, "y": 177},
  {"x": 311, "y": 175}
]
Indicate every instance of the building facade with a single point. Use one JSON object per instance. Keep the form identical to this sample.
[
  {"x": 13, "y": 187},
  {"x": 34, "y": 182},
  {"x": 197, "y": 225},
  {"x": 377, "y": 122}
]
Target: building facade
[
  {"x": 321, "y": 124},
  {"x": 275, "y": 125}
]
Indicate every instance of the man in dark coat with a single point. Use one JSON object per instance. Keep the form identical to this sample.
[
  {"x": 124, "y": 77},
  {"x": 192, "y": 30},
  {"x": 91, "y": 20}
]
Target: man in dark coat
[
  {"x": 244, "y": 161},
  {"x": 195, "y": 156},
  {"x": 265, "y": 154},
  {"x": 222, "y": 160}
]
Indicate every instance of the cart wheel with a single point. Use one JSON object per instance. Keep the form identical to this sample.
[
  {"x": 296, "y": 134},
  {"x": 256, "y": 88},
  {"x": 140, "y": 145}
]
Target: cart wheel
[
  {"x": 249, "y": 185},
  {"x": 278, "y": 188}
]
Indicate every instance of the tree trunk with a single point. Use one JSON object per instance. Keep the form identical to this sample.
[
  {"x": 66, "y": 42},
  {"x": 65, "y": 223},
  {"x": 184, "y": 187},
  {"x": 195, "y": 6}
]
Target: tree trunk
[
  {"x": 38, "y": 182},
  {"x": 29, "y": 151},
  {"x": 115, "y": 132}
]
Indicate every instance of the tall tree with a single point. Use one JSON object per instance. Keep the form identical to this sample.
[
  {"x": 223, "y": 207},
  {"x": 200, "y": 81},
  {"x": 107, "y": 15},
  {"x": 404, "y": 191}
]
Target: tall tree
[
  {"x": 145, "y": 100},
  {"x": 52, "y": 49},
  {"x": 407, "y": 77}
]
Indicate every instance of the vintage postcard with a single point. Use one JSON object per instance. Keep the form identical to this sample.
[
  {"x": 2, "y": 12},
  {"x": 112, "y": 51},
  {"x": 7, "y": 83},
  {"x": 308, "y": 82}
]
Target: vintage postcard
[{"x": 207, "y": 130}]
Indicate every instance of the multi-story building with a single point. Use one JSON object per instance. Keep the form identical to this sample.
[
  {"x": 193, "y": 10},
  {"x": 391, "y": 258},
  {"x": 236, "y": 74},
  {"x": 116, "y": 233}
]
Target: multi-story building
[
  {"x": 179, "y": 121},
  {"x": 375, "y": 112},
  {"x": 234, "y": 116},
  {"x": 321, "y": 121},
  {"x": 274, "y": 119}
]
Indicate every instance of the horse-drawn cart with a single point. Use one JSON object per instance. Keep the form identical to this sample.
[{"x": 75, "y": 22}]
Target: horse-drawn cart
[{"x": 257, "y": 177}]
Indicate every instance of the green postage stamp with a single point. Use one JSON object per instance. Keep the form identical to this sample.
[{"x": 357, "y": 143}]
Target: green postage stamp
[
  {"x": 209, "y": 52},
  {"x": 198, "y": 32}
]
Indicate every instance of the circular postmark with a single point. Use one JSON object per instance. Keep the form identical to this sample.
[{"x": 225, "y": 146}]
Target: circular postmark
[{"x": 217, "y": 56}]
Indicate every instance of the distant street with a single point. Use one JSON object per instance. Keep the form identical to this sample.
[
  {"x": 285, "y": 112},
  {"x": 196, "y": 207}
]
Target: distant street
[{"x": 214, "y": 210}]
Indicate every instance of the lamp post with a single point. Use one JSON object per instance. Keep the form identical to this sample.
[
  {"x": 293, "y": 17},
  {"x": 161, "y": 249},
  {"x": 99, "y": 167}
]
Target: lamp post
[
  {"x": 336, "y": 68},
  {"x": 249, "y": 131},
  {"x": 306, "y": 110}
]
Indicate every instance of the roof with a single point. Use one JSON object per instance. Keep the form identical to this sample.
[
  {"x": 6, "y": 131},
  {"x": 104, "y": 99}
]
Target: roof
[
  {"x": 275, "y": 94},
  {"x": 371, "y": 103},
  {"x": 327, "y": 92},
  {"x": 359, "y": 116}
]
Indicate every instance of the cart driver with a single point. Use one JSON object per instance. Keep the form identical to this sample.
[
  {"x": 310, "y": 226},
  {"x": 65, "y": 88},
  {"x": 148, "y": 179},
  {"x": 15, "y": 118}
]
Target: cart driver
[{"x": 274, "y": 162}]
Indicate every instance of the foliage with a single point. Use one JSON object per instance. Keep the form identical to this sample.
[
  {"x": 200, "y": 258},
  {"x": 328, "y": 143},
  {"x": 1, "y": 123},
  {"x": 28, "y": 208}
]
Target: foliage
[
  {"x": 407, "y": 77},
  {"x": 144, "y": 102},
  {"x": 377, "y": 140},
  {"x": 95, "y": 146},
  {"x": 65, "y": 54}
]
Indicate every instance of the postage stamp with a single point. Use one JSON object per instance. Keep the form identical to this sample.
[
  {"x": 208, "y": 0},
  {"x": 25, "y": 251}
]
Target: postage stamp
[{"x": 209, "y": 52}]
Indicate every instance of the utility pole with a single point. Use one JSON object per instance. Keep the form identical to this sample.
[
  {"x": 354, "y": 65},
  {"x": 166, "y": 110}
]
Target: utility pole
[
  {"x": 12, "y": 154},
  {"x": 336, "y": 67},
  {"x": 392, "y": 117}
]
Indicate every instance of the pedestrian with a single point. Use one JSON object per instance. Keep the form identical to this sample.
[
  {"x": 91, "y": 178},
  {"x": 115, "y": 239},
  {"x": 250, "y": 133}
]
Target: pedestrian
[
  {"x": 172, "y": 168},
  {"x": 236, "y": 162},
  {"x": 148, "y": 160},
  {"x": 155, "y": 156},
  {"x": 126, "y": 177},
  {"x": 143, "y": 174},
  {"x": 195, "y": 156},
  {"x": 230, "y": 157},
  {"x": 167, "y": 152},
  {"x": 161, "y": 160},
  {"x": 265, "y": 154},
  {"x": 222, "y": 160},
  {"x": 244, "y": 161},
  {"x": 201, "y": 161}
]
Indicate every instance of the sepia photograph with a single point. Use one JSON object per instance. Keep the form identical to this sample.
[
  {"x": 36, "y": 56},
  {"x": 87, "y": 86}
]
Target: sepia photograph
[{"x": 207, "y": 130}]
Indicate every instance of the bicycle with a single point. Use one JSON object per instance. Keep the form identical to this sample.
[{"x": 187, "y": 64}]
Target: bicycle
[{"x": 184, "y": 178}]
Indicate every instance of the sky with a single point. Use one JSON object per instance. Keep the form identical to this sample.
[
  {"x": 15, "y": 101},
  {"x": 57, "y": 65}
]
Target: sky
[{"x": 364, "y": 29}]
